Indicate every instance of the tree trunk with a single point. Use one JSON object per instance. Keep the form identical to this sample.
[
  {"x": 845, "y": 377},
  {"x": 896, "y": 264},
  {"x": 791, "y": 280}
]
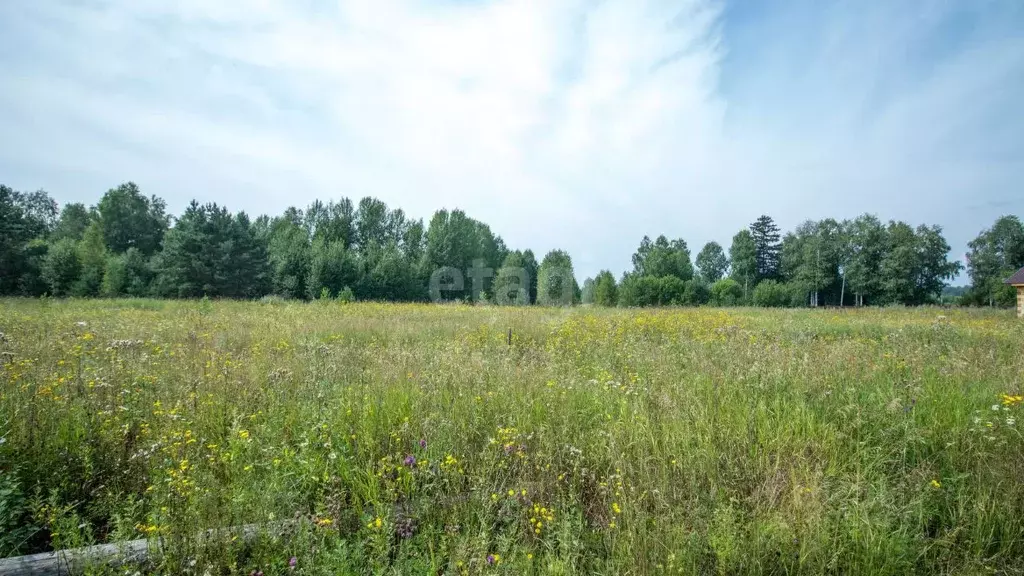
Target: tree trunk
[{"x": 842, "y": 293}]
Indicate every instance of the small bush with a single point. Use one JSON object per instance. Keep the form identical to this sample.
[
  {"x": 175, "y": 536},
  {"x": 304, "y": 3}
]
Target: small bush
[
  {"x": 346, "y": 295},
  {"x": 726, "y": 292},
  {"x": 772, "y": 294}
]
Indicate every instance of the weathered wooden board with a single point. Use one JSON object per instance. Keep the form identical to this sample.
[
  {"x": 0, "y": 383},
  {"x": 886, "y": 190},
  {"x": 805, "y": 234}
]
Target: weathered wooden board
[{"x": 76, "y": 560}]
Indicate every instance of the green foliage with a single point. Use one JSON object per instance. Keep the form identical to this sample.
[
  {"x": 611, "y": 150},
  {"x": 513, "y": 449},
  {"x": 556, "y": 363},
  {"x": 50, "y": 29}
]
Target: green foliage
[
  {"x": 743, "y": 258},
  {"x": 772, "y": 294},
  {"x": 663, "y": 258},
  {"x": 726, "y": 292},
  {"x": 636, "y": 290},
  {"x": 209, "y": 252},
  {"x": 712, "y": 262},
  {"x": 332, "y": 222},
  {"x": 587, "y": 291},
  {"x": 62, "y": 267},
  {"x": 127, "y": 274},
  {"x": 124, "y": 247},
  {"x": 767, "y": 248},
  {"x": 23, "y": 218},
  {"x": 914, "y": 265},
  {"x": 993, "y": 257},
  {"x": 867, "y": 248},
  {"x": 670, "y": 290},
  {"x": 812, "y": 259},
  {"x": 332, "y": 267},
  {"x": 289, "y": 253},
  {"x": 92, "y": 254},
  {"x": 391, "y": 278},
  {"x": 457, "y": 241},
  {"x": 16, "y": 527},
  {"x": 130, "y": 220},
  {"x": 605, "y": 289},
  {"x": 697, "y": 292},
  {"x": 372, "y": 223},
  {"x": 512, "y": 284},
  {"x": 346, "y": 295},
  {"x": 532, "y": 271},
  {"x": 556, "y": 280},
  {"x": 32, "y": 257},
  {"x": 74, "y": 219}
]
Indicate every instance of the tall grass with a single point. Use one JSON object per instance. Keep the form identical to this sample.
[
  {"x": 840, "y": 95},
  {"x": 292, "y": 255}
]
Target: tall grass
[{"x": 414, "y": 439}]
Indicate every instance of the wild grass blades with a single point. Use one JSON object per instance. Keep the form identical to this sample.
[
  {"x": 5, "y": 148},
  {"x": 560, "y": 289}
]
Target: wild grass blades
[{"x": 416, "y": 438}]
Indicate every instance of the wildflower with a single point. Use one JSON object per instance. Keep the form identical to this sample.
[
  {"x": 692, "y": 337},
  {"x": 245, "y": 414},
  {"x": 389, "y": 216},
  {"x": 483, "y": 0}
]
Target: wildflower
[
  {"x": 493, "y": 559},
  {"x": 410, "y": 461},
  {"x": 1010, "y": 401},
  {"x": 423, "y": 443},
  {"x": 615, "y": 508},
  {"x": 936, "y": 484},
  {"x": 243, "y": 434},
  {"x": 511, "y": 492},
  {"x": 324, "y": 522},
  {"x": 293, "y": 562},
  {"x": 529, "y": 556}
]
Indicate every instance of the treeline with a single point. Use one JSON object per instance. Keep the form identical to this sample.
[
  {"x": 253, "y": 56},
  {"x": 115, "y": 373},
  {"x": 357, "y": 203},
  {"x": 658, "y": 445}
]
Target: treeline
[
  {"x": 127, "y": 245},
  {"x": 992, "y": 257},
  {"x": 853, "y": 262}
]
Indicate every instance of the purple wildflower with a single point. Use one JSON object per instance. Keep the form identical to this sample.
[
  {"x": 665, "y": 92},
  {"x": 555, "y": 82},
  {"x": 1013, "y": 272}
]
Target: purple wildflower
[
  {"x": 410, "y": 460},
  {"x": 423, "y": 443},
  {"x": 490, "y": 558},
  {"x": 293, "y": 562}
]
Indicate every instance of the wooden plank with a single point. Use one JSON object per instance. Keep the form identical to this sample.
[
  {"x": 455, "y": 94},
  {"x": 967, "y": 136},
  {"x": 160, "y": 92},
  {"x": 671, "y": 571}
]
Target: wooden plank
[{"x": 76, "y": 560}]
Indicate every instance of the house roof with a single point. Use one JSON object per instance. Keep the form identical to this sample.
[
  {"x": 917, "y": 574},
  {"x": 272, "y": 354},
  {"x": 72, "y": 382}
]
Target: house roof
[{"x": 1017, "y": 279}]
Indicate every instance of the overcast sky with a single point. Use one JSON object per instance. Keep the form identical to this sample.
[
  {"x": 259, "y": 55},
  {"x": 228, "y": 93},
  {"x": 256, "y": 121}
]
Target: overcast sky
[{"x": 576, "y": 124}]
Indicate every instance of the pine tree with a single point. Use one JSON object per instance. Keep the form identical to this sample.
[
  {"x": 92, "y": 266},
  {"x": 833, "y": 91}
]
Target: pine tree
[{"x": 767, "y": 248}]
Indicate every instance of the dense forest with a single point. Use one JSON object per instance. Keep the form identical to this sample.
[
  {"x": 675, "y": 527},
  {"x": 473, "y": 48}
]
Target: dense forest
[{"x": 127, "y": 245}]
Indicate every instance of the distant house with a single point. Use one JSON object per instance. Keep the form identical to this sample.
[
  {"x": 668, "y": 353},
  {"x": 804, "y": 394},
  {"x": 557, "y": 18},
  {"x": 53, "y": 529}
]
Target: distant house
[{"x": 1017, "y": 281}]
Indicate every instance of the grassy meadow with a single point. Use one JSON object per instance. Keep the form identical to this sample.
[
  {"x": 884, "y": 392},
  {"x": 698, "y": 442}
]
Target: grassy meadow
[{"x": 416, "y": 439}]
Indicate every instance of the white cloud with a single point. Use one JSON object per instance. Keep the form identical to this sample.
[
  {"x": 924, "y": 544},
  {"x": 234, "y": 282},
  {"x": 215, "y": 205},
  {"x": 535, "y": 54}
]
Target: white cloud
[{"x": 576, "y": 124}]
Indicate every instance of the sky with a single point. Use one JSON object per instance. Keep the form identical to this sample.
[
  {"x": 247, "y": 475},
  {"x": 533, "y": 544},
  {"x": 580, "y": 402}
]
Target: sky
[{"x": 574, "y": 124}]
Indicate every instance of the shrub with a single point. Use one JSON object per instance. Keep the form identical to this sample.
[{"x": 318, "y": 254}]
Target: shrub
[
  {"x": 346, "y": 295},
  {"x": 62, "y": 267},
  {"x": 697, "y": 293},
  {"x": 726, "y": 292},
  {"x": 772, "y": 294}
]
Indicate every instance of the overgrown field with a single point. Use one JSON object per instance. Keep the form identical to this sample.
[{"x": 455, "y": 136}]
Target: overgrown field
[{"x": 414, "y": 439}]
